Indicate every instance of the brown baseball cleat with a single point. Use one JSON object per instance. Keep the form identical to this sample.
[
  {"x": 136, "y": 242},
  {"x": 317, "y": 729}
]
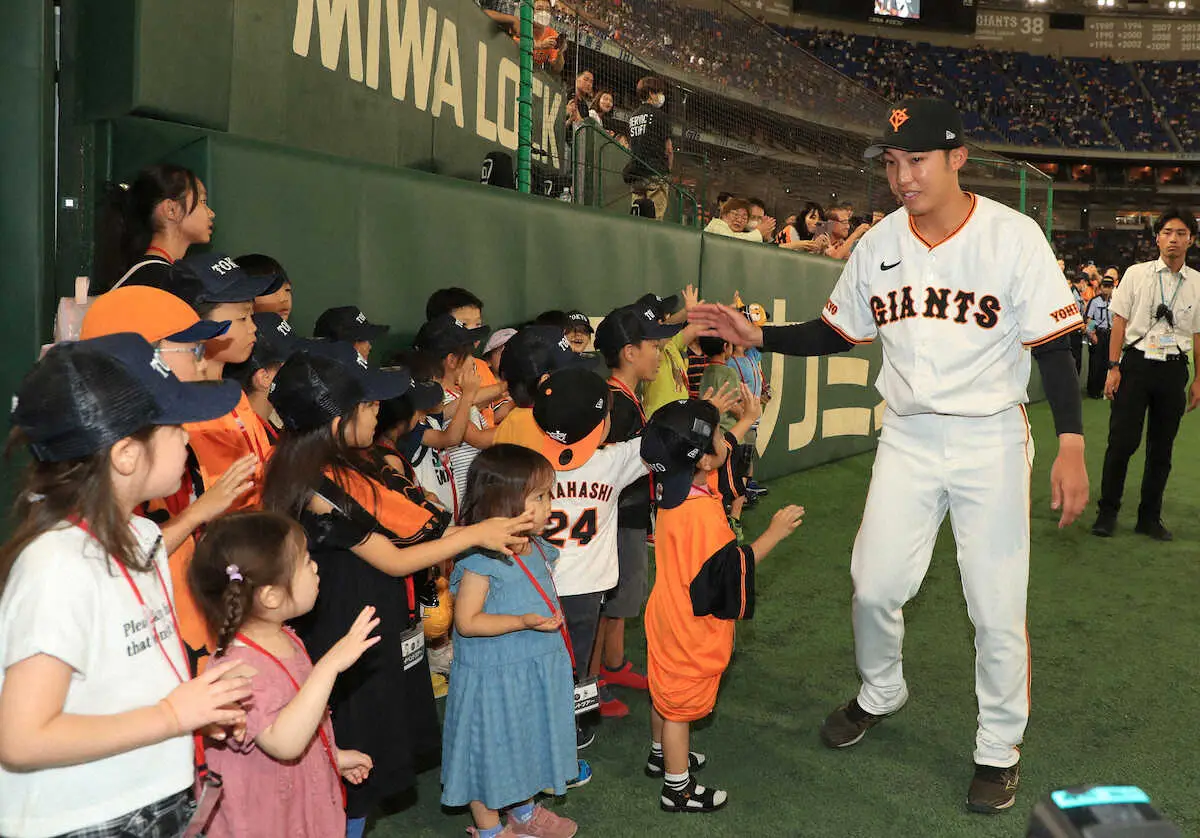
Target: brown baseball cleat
[
  {"x": 993, "y": 789},
  {"x": 848, "y": 724}
]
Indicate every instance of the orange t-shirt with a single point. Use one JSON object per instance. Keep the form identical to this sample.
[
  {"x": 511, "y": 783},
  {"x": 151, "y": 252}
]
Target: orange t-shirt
[
  {"x": 218, "y": 443},
  {"x": 486, "y": 379},
  {"x": 519, "y": 428},
  {"x": 686, "y": 654}
]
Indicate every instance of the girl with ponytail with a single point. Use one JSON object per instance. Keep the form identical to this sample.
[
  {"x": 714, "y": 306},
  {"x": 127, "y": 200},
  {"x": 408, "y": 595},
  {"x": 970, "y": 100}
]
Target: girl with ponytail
[
  {"x": 149, "y": 224},
  {"x": 251, "y": 574}
]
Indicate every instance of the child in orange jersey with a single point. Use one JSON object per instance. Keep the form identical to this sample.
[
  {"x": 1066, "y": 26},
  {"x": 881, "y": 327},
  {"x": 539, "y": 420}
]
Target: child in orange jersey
[{"x": 704, "y": 581}]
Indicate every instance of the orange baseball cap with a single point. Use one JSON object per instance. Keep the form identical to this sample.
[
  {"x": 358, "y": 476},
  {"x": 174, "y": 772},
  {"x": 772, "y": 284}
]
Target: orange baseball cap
[{"x": 150, "y": 312}]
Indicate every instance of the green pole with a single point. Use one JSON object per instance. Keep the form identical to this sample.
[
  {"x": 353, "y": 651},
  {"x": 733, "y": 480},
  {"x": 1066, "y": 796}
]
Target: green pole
[
  {"x": 525, "y": 100},
  {"x": 1050, "y": 211},
  {"x": 1022, "y": 177}
]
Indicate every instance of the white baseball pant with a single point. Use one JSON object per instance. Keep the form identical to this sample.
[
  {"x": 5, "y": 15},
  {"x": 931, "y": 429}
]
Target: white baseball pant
[{"x": 978, "y": 470}]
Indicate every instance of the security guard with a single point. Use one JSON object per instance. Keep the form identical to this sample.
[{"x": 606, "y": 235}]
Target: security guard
[{"x": 1155, "y": 319}]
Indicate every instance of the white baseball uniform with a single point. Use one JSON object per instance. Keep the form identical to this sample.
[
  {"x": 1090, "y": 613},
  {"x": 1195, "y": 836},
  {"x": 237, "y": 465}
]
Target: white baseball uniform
[{"x": 956, "y": 319}]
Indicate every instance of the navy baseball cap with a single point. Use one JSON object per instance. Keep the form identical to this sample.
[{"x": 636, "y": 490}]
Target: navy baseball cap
[
  {"x": 445, "y": 334},
  {"x": 86, "y": 395},
  {"x": 212, "y": 278},
  {"x": 663, "y": 306},
  {"x": 422, "y": 395},
  {"x": 579, "y": 320},
  {"x": 678, "y": 434},
  {"x": 535, "y": 351},
  {"x": 922, "y": 124},
  {"x": 631, "y": 324},
  {"x": 347, "y": 323},
  {"x": 377, "y": 385},
  {"x": 311, "y": 390}
]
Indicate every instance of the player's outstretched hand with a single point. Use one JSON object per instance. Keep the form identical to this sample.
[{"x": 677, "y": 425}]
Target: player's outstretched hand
[
  {"x": 786, "y": 520},
  {"x": 1069, "y": 480},
  {"x": 724, "y": 322}
]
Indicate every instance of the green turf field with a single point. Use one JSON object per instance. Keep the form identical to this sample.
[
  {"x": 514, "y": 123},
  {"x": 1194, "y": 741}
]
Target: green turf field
[{"x": 1113, "y": 625}]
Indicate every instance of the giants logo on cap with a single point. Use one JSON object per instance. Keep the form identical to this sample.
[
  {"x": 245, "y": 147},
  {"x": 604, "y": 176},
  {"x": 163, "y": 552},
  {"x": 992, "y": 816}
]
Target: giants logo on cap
[
  {"x": 557, "y": 436},
  {"x": 899, "y": 117}
]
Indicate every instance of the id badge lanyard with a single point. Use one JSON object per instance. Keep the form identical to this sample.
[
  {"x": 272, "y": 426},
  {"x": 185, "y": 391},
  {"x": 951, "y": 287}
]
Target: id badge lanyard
[{"x": 550, "y": 603}]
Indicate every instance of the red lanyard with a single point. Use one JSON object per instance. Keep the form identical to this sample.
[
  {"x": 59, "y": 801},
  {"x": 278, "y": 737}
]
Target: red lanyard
[
  {"x": 262, "y": 455},
  {"x": 198, "y": 741},
  {"x": 165, "y": 254},
  {"x": 624, "y": 388},
  {"x": 321, "y": 727},
  {"x": 562, "y": 628}
]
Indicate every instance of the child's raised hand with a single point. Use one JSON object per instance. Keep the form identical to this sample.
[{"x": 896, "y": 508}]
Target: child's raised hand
[
  {"x": 751, "y": 404},
  {"x": 691, "y": 298},
  {"x": 503, "y": 535},
  {"x": 724, "y": 399},
  {"x": 343, "y": 654},
  {"x": 237, "y": 480},
  {"x": 785, "y": 521},
  {"x": 468, "y": 379},
  {"x": 209, "y": 698},
  {"x": 354, "y": 766},
  {"x": 539, "y": 623}
]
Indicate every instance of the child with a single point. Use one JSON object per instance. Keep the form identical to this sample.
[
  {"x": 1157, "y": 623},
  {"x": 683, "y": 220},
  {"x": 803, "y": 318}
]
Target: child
[
  {"x": 717, "y": 374},
  {"x": 275, "y": 341},
  {"x": 579, "y": 331},
  {"x": 443, "y": 349},
  {"x": 703, "y": 582},
  {"x": 629, "y": 340},
  {"x": 509, "y": 718},
  {"x": 531, "y": 354},
  {"x": 571, "y": 409},
  {"x": 178, "y": 337},
  {"x": 252, "y": 573},
  {"x": 368, "y": 542},
  {"x": 467, "y": 309},
  {"x": 493, "y": 351},
  {"x": 277, "y": 298},
  {"x": 671, "y": 382},
  {"x": 349, "y": 325},
  {"x": 96, "y": 708},
  {"x": 747, "y": 363}
]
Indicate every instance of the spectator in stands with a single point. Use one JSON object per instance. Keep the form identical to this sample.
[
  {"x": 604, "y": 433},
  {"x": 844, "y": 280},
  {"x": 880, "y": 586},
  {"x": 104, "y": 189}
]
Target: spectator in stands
[
  {"x": 601, "y": 108},
  {"x": 735, "y": 217},
  {"x": 722, "y": 197},
  {"x": 577, "y": 106},
  {"x": 842, "y": 241},
  {"x": 650, "y": 141},
  {"x": 758, "y": 212},
  {"x": 808, "y": 231},
  {"x": 547, "y": 41}
]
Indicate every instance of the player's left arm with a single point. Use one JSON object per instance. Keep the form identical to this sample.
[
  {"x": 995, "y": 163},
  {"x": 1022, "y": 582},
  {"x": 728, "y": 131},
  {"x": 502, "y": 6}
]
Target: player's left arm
[{"x": 1047, "y": 314}]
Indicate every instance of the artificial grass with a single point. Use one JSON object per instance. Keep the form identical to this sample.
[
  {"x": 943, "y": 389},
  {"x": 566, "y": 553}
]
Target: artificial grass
[{"x": 1114, "y": 632}]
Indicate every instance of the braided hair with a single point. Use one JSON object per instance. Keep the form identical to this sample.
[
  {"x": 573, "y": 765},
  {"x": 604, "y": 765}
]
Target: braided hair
[{"x": 237, "y": 556}]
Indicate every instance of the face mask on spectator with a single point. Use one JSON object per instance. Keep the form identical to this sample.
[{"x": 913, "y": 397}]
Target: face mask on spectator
[
  {"x": 659, "y": 100},
  {"x": 541, "y": 18}
]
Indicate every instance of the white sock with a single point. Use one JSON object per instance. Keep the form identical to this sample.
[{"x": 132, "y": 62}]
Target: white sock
[
  {"x": 676, "y": 782},
  {"x": 656, "y": 748}
]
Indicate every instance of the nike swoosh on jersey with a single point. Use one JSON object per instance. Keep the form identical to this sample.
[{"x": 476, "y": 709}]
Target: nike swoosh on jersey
[{"x": 884, "y": 266}]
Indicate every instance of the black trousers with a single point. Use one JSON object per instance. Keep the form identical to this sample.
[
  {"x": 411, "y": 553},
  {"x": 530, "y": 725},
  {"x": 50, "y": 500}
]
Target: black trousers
[
  {"x": 582, "y": 615},
  {"x": 1154, "y": 389},
  {"x": 1097, "y": 365},
  {"x": 1076, "y": 341}
]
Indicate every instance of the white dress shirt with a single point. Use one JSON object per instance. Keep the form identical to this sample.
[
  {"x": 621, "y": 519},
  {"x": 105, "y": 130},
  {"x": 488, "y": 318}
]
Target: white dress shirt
[{"x": 1143, "y": 289}]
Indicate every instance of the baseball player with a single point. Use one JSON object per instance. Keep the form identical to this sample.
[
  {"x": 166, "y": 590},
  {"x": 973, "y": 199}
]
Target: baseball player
[{"x": 957, "y": 288}]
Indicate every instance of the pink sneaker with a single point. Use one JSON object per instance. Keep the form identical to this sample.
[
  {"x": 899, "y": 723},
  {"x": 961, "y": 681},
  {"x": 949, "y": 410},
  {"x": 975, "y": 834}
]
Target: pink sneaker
[{"x": 543, "y": 824}]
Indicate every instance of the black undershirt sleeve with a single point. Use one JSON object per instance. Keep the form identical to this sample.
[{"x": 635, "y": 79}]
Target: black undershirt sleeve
[
  {"x": 814, "y": 337},
  {"x": 1061, "y": 384},
  {"x": 724, "y": 587}
]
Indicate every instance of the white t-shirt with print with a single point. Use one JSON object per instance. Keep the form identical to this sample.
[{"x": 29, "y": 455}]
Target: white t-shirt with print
[
  {"x": 64, "y": 598},
  {"x": 583, "y": 518}
]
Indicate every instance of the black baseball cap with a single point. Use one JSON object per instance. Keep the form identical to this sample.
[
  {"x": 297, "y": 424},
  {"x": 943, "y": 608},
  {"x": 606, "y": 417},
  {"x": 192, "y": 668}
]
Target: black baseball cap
[
  {"x": 86, "y": 395},
  {"x": 578, "y": 320},
  {"x": 678, "y": 434},
  {"x": 631, "y": 324},
  {"x": 445, "y": 333},
  {"x": 311, "y": 390},
  {"x": 570, "y": 407},
  {"x": 209, "y": 278},
  {"x": 422, "y": 395},
  {"x": 922, "y": 124},
  {"x": 535, "y": 351},
  {"x": 347, "y": 323},
  {"x": 377, "y": 384},
  {"x": 663, "y": 306},
  {"x": 275, "y": 340}
]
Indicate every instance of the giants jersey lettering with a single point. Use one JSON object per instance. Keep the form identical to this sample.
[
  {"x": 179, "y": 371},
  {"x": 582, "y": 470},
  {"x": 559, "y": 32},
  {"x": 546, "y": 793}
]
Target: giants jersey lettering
[
  {"x": 955, "y": 317},
  {"x": 583, "y": 518}
]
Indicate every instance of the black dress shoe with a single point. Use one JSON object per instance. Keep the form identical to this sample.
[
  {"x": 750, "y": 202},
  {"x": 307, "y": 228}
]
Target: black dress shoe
[
  {"x": 1154, "y": 529},
  {"x": 1106, "y": 524}
]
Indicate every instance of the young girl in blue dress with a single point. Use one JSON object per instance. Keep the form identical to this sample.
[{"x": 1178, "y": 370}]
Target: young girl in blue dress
[{"x": 510, "y": 716}]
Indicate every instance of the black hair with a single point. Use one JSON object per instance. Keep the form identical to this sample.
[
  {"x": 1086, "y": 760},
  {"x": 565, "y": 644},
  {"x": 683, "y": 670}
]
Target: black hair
[
  {"x": 553, "y": 317},
  {"x": 711, "y": 346},
  {"x": 1113, "y": 268},
  {"x": 126, "y": 223},
  {"x": 262, "y": 547},
  {"x": 500, "y": 479},
  {"x": 242, "y": 373},
  {"x": 259, "y": 264},
  {"x": 722, "y": 197},
  {"x": 424, "y": 365},
  {"x": 1186, "y": 217},
  {"x": 757, "y": 202},
  {"x": 394, "y": 413},
  {"x": 445, "y": 300}
]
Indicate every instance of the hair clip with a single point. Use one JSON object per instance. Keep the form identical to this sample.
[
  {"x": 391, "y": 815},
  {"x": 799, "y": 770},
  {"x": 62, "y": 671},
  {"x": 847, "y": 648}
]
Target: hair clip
[{"x": 234, "y": 574}]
